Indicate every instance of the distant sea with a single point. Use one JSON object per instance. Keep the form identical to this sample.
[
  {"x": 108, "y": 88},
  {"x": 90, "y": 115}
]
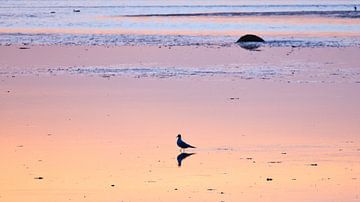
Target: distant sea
[{"x": 179, "y": 22}]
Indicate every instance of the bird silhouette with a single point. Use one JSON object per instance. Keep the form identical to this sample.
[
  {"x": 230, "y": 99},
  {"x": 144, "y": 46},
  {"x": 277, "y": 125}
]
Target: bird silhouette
[
  {"x": 183, "y": 145},
  {"x": 182, "y": 156}
]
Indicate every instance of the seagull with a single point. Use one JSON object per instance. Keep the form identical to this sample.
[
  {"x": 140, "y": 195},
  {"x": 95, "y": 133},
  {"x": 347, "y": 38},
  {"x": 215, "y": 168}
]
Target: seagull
[{"x": 183, "y": 145}]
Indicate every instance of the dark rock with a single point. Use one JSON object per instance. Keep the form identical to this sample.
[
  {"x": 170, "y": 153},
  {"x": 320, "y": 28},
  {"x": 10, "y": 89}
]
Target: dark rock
[
  {"x": 250, "y": 42},
  {"x": 274, "y": 162},
  {"x": 24, "y": 48},
  {"x": 76, "y": 11},
  {"x": 269, "y": 179},
  {"x": 38, "y": 178},
  {"x": 52, "y": 12},
  {"x": 250, "y": 38}
]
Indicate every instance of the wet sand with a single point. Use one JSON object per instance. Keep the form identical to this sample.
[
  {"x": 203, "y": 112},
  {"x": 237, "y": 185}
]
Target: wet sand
[
  {"x": 44, "y": 56},
  {"x": 69, "y": 134}
]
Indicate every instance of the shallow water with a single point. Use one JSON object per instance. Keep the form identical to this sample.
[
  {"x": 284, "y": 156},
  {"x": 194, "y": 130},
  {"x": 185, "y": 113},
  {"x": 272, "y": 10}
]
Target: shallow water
[
  {"x": 275, "y": 20},
  {"x": 85, "y": 138}
]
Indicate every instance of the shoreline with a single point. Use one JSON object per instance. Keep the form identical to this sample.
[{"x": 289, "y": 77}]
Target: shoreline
[
  {"x": 89, "y": 38},
  {"x": 285, "y": 64},
  {"x": 165, "y": 55}
]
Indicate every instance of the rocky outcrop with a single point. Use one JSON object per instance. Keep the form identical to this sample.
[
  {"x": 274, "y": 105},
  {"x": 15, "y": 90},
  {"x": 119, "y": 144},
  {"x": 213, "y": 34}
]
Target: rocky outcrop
[{"x": 250, "y": 38}]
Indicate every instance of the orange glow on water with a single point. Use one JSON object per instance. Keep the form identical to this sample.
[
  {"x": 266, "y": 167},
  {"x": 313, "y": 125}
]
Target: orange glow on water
[{"x": 82, "y": 135}]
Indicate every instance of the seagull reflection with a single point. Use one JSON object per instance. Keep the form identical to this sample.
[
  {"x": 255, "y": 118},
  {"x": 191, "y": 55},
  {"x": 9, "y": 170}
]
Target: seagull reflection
[{"x": 182, "y": 156}]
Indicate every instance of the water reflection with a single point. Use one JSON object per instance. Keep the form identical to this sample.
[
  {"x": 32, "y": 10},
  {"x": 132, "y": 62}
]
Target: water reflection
[
  {"x": 252, "y": 46},
  {"x": 182, "y": 156}
]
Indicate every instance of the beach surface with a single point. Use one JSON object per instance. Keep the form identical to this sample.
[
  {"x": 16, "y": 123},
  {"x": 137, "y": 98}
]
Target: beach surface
[{"x": 99, "y": 123}]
